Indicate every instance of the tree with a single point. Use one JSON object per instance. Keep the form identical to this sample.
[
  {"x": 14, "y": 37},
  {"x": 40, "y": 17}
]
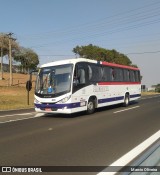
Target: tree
[
  {"x": 28, "y": 59},
  {"x": 102, "y": 54},
  {"x": 3, "y": 49},
  {"x": 157, "y": 88}
]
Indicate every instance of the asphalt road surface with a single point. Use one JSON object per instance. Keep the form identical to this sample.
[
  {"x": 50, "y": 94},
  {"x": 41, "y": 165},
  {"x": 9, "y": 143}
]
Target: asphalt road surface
[{"x": 31, "y": 139}]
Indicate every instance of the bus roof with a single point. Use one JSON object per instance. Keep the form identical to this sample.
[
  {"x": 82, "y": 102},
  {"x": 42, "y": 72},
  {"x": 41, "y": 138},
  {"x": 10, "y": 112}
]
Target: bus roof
[
  {"x": 119, "y": 65},
  {"x": 68, "y": 61},
  {"x": 75, "y": 60}
]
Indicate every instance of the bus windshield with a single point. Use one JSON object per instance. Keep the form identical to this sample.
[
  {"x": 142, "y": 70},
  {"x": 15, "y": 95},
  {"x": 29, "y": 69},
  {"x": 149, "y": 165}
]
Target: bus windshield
[{"x": 54, "y": 80}]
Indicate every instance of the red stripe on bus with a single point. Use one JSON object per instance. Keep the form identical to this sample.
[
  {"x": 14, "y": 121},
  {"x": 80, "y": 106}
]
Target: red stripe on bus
[
  {"x": 118, "y": 83},
  {"x": 118, "y": 65}
]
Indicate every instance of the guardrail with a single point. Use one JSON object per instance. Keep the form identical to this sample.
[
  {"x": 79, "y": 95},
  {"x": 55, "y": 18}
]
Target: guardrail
[{"x": 147, "y": 163}]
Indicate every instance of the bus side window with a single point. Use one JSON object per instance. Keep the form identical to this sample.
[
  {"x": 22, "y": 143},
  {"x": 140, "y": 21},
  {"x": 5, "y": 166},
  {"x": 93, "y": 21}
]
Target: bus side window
[
  {"x": 120, "y": 74},
  {"x": 126, "y": 75},
  {"x": 89, "y": 72},
  {"x": 132, "y": 73},
  {"x": 112, "y": 74},
  {"x": 106, "y": 74},
  {"x": 94, "y": 73},
  {"x": 81, "y": 76},
  {"x": 137, "y": 76},
  {"x": 75, "y": 77}
]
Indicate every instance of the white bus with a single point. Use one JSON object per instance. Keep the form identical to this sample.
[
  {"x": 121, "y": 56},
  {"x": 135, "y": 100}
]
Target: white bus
[{"x": 81, "y": 84}]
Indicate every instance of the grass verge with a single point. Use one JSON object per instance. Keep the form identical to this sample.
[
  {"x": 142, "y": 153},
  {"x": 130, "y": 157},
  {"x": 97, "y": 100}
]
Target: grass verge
[
  {"x": 149, "y": 93},
  {"x": 15, "y": 98}
]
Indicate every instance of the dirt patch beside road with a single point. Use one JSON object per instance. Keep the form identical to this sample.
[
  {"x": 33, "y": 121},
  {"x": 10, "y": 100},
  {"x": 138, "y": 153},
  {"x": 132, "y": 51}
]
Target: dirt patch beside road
[
  {"x": 18, "y": 79},
  {"x": 15, "y": 97}
]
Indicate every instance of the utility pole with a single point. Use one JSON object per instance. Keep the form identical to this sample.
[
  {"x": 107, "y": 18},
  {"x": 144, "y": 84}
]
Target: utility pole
[
  {"x": 10, "y": 60},
  {"x": 1, "y": 78},
  {"x": 10, "y": 57},
  {"x": 1, "y": 45}
]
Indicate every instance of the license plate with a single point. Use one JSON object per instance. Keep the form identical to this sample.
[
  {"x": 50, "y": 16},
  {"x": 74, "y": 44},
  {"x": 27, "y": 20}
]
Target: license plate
[{"x": 48, "y": 109}]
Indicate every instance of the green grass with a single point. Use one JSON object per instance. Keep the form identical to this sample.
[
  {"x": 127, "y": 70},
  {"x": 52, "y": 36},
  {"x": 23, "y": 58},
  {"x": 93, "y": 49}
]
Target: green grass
[
  {"x": 149, "y": 93},
  {"x": 15, "y": 98}
]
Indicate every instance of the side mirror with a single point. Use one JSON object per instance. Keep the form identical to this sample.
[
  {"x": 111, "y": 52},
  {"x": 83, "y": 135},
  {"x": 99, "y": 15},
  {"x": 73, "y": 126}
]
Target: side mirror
[{"x": 28, "y": 85}]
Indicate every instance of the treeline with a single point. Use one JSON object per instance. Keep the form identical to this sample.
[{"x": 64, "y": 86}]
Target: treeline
[
  {"x": 157, "y": 88},
  {"x": 101, "y": 54}
]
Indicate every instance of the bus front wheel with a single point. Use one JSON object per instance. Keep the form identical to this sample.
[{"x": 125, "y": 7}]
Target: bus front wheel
[{"x": 91, "y": 106}]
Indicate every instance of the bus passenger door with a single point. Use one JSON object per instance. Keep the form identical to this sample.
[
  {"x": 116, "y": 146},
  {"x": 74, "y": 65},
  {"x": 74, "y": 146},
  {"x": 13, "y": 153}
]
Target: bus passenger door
[
  {"x": 80, "y": 77},
  {"x": 80, "y": 86}
]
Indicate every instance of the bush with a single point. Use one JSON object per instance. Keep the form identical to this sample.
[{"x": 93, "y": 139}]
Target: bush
[{"x": 158, "y": 90}]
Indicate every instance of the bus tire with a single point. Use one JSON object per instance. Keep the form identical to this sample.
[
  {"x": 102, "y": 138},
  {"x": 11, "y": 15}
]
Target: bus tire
[
  {"x": 91, "y": 106},
  {"x": 126, "y": 100}
]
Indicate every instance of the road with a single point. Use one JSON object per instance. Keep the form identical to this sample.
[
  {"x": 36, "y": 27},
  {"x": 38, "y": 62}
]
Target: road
[{"x": 30, "y": 139}]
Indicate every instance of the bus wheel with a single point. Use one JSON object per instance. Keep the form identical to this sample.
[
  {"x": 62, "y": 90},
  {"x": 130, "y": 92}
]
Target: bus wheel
[
  {"x": 91, "y": 106},
  {"x": 126, "y": 100}
]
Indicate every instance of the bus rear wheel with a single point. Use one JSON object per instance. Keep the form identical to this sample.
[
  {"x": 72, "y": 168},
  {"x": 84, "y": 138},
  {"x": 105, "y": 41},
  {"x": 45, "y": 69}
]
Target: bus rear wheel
[
  {"x": 126, "y": 100},
  {"x": 91, "y": 106}
]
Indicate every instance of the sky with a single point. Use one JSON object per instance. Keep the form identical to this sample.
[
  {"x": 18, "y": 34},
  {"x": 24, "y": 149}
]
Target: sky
[{"x": 52, "y": 28}]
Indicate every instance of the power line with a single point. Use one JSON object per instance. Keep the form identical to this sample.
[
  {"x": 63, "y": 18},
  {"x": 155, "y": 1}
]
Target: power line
[
  {"x": 95, "y": 22},
  {"x": 138, "y": 53},
  {"x": 120, "y": 22},
  {"x": 55, "y": 55},
  {"x": 101, "y": 30},
  {"x": 150, "y": 52},
  {"x": 101, "y": 34}
]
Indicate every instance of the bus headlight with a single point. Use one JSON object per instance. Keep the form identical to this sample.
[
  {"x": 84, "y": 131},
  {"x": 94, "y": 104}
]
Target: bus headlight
[
  {"x": 36, "y": 101},
  {"x": 64, "y": 100}
]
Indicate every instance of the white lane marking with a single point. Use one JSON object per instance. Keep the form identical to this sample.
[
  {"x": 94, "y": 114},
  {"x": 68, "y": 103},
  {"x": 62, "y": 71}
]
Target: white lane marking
[
  {"x": 17, "y": 114},
  {"x": 26, "y": 113},
  {"x": 126, "y": 109},
  {"x": 36, "y": 116},
  {"x": 40, "y": 114},
  {"x": 128, "y": 157}
]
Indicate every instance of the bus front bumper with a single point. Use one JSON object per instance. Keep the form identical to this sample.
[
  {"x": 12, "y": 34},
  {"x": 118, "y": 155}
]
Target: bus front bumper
[{"x": 53, "y": 110}]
